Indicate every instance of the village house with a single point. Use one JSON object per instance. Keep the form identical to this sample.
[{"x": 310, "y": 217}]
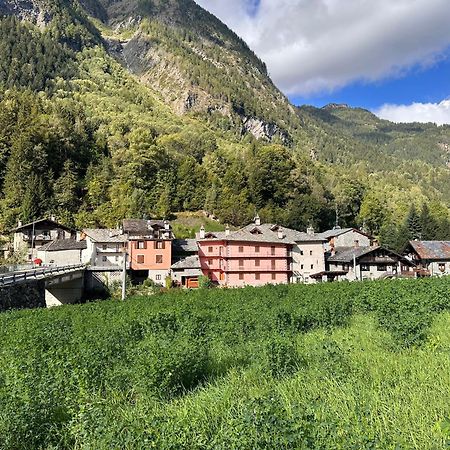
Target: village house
[
  {"x": 186, "y": 267},
  {"x": 149, "y": 248},
  {"x": 346, "y": 237},
  {"x": 105, "y": 248},
  {"x": 62, "y": 252},
  {"x": 29, "y": 237},
  {"x": 431, "y": 257},
  {"x": 360, "y": 263},
  {"x": 260, "y": 254}
]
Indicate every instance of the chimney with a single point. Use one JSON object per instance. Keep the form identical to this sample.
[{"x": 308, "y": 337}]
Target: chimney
[
  {"x": 310, "y": 231},
  {"x": 166, "y": 225},
  {"x": 111, "y": 233},
  {"x": 202, "y": 232},
  {"x": 356, "y": 243},
  {"x": 257, "y": 220},
  {"x": 281, "y": 234},
  {"x": 227, "y": 230},
  {"x": 19, "y": 223},
  {"x": 53, "y": 218}
]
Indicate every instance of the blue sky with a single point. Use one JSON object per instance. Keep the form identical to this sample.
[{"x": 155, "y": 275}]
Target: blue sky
[{"x": 392, "y": 57}]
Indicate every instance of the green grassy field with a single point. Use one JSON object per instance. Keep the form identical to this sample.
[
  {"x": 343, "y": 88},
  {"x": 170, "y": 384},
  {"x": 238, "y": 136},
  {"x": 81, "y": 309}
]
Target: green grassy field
[{"x": 333, "y": 366}]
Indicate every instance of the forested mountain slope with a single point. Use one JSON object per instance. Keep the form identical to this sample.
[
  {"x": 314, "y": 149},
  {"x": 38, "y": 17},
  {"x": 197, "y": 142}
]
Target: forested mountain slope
[{"x": 114, "y": 109}]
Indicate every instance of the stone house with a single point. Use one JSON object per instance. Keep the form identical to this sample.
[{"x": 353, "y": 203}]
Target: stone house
[
  {"x": 431, "y": 257},
  {"x": 63, "y": 252},
  {"x": 360, "y": 263},
  {"x": 29, "y": 237}
]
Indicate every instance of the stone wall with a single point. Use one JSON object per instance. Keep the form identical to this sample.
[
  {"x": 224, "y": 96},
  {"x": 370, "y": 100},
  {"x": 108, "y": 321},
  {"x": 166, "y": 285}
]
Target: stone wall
[{"x": 30, "y": 294}]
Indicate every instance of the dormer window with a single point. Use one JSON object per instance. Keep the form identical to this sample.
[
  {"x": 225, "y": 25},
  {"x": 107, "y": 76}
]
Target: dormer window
[{"x": 256, "y": 231}]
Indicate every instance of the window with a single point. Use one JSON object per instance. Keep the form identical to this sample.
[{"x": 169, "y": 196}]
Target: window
[
  {"x": 310, "y": 253},
  {"x": 257, "y": 249},
  {"x": 117, "y": 248},
  {"x": 159, "y": 259},
  {"x": 301, "y": 252},
  {"x": 210, "y": 249},
  {"x": 241, "y": 249},
  {"x": 241, "y": 276},
  {"x": 302, "y": 267},
  {"x": 381, "y": 268},
  {"x": 222, "y": 277},
  {"x": 241, "y": 263},
  {"x": 210, "y": 262},
  {"x": 104, "y": 247},
  {"x": 312, "y": 266},
  {"x": 141, "y": 245},
  {"x": 158, "y": 277},
  {"x": 274, "y": 276},
  {"x": 116, "y": 258},
  {"x": 257, "y": 276},
  {"x": 442, "y": 267},
  {"x": 272, "y": 250},
  {"x": 104, "y": 259},
  {"x": 140, "y": 259},
  {"x": 273, "y": 265},
  {"x": 257, "y": 262},
  {"x": 365, "y": 268},
  {"x": 159, "y": 245}
]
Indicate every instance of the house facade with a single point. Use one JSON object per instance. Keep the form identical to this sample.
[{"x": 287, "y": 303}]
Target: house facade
[
  {"x": 29, "y": 237},
  {"x": 105, "y": 248},
  {"x": 345, "y": 238},
  {"x": 63, "y": 252},
  {"x": 431, "y": 257},
  {"x": 255, "y": 255},
  {"x": 364, "y": 263},
  {"x": 149, "y": 248}
]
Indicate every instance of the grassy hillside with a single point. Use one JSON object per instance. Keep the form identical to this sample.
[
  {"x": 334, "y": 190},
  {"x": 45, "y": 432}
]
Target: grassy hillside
[{"x": 329, "y": 366}]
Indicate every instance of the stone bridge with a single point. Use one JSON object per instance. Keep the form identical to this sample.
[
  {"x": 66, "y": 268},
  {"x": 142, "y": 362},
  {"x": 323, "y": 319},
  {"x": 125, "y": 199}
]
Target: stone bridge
[{"x": 42, "y": 286}]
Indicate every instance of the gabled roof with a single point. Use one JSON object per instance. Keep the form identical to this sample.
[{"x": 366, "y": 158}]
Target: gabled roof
[
  {"x": 43, "y": 222},
  {"x": 184, "y": 246},
  {"x": 190, "y": 262},
  {"x": 142, "y": 227},
  {"x": 105, "y": 235},
  {"x": 438, "y": 250},
  {"x": 348, "y": 254},
  {"x": 340, "y": 231},
  {"x": 266, "y": 232},
  {"x": 63, "y": 244}
]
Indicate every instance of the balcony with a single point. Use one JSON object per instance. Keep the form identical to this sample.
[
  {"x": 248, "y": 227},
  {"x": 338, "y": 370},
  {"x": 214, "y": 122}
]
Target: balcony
[{"x": 261, "y": 255}]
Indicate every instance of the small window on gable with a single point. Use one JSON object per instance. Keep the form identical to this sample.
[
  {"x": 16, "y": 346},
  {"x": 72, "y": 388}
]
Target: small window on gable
[{"x": 158, "y": 277}]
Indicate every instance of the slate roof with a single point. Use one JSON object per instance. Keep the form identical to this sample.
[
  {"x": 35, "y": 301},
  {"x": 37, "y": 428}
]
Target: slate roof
[
  {"x": 184, "y": 246},
  {"x": 106, "y": 235},
  {"x": 438, "y": 250},
  {"x": 47, "y": 222},
  {"x": 339, "y": 231},
  {"x": 190, "y": 262},
  {"x": 266, "y": 232},
  {"x": 141, "y": 227},
  {"x": 346, "y": 254},
  {"x": 63, "y": 244}
]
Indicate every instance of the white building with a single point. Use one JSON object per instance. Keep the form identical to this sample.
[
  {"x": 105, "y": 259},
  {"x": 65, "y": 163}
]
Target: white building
[
  {"x": 105, "y": 248},
  {"x": 64, "y": 252}
]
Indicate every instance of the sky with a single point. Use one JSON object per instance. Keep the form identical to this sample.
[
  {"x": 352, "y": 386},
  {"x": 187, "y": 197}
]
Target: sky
[{"x": 389, "y": 56}]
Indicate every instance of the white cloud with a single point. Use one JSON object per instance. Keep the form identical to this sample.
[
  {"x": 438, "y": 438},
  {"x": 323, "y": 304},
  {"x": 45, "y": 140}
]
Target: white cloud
[
  {"x": 438, "y": 113},
  {"x": 315, "y": 45}
]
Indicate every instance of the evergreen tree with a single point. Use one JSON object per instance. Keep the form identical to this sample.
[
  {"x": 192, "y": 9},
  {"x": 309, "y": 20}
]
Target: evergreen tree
[{"x": 413, "y": 224}]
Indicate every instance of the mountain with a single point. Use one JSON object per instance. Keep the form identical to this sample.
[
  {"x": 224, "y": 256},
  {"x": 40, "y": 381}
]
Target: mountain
[{"x": 130, "y": 108}]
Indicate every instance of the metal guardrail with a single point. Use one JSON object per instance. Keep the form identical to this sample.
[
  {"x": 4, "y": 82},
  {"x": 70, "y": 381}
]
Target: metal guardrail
[{"x": 11, "y": 278}]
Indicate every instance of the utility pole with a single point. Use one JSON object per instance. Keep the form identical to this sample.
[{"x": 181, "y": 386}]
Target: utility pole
[
  {"x": 32, "y": 242},
  {"x": 124, "y": 274}
]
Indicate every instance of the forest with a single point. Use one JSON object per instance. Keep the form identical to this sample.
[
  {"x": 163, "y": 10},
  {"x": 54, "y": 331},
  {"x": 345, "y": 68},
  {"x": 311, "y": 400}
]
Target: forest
[{"x": 347, "y": 365}]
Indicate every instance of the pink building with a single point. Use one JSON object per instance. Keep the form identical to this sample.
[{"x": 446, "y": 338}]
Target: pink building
[{"x": 255, "y": 255}]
